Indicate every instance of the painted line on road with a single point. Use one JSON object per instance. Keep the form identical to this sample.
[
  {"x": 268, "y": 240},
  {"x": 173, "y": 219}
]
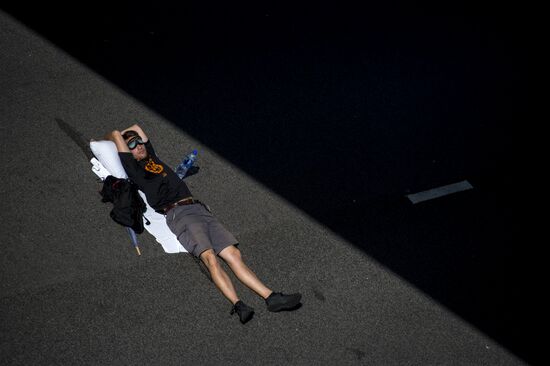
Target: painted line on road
[{"x": 430, "y": 194}]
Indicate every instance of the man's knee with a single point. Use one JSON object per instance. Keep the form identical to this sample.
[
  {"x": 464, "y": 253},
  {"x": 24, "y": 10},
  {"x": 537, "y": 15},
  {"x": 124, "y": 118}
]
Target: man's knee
[
  {"x": 231, "y": 254},
  {"x": 209, "y": 258}
]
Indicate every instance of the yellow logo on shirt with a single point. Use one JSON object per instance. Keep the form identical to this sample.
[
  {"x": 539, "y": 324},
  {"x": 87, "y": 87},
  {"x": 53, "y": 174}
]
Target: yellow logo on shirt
[{"x": 153, "y": 167}]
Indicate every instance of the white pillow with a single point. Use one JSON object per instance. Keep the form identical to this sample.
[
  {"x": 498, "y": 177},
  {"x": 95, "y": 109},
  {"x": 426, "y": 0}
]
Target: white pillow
[{"x": 105, "y": 151}]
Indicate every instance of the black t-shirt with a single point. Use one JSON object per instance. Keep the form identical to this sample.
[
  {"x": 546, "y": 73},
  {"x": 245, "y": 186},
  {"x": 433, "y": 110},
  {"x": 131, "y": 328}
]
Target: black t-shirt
[{"x": 159, "y": 183}]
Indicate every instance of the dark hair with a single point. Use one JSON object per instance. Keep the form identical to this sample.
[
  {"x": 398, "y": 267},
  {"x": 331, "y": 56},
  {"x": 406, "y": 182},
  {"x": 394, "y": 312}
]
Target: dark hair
[{"x": 129, "y": 134}]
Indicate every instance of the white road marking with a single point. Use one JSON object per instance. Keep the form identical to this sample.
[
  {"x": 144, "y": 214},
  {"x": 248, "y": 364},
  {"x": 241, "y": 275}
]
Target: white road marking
[{"x": 439, "y": 192}]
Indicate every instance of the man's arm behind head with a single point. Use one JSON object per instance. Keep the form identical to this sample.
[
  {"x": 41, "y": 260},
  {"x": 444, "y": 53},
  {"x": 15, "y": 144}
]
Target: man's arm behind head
[
  {"x": 137, "y": 129},
  {"x": 116, "y": 137}
]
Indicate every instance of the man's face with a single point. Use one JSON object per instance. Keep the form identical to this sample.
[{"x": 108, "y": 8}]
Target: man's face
[{"x": 139, "y": 151}]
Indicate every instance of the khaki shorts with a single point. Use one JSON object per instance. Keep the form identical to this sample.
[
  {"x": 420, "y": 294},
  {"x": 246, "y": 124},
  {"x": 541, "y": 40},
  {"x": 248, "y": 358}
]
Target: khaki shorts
[{"x": 198, "y": 230}]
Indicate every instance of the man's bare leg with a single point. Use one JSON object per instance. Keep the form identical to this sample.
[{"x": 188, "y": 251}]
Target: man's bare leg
[
  {"x": 219, "y": 276},
  {"x": 232, "y": 255}
]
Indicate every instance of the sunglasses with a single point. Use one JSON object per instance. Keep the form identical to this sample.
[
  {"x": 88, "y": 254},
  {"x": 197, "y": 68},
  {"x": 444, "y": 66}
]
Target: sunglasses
[{"x": 134, "y": 143}]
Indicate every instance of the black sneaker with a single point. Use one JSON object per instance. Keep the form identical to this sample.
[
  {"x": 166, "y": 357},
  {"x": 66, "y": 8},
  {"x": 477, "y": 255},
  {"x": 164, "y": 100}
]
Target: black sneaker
[
  {"x": 278, "y": 301},
  {"x": 245, "y": 312}
]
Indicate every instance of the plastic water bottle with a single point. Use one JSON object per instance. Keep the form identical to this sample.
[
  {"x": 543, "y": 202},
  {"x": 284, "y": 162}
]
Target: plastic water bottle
[{"x": 185, "y": 164}]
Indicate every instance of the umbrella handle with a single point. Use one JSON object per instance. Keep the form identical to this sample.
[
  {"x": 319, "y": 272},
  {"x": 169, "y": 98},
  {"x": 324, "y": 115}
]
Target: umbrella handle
[{"x": 133, "y": 237}]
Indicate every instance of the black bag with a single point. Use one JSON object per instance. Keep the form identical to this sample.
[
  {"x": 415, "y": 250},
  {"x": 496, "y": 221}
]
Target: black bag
[{"x": 128, "y": 206}]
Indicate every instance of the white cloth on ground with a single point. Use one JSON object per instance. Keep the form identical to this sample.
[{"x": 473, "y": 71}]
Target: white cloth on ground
[{"x": 107, "y": 162}]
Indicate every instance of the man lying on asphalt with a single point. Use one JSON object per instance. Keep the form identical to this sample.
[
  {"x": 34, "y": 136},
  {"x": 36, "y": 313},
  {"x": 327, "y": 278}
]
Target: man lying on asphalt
[{"x": 200, "y": 233}]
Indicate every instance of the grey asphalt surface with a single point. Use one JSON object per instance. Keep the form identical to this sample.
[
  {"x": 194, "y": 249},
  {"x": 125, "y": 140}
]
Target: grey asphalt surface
[{"x": 73, "y": 291}]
